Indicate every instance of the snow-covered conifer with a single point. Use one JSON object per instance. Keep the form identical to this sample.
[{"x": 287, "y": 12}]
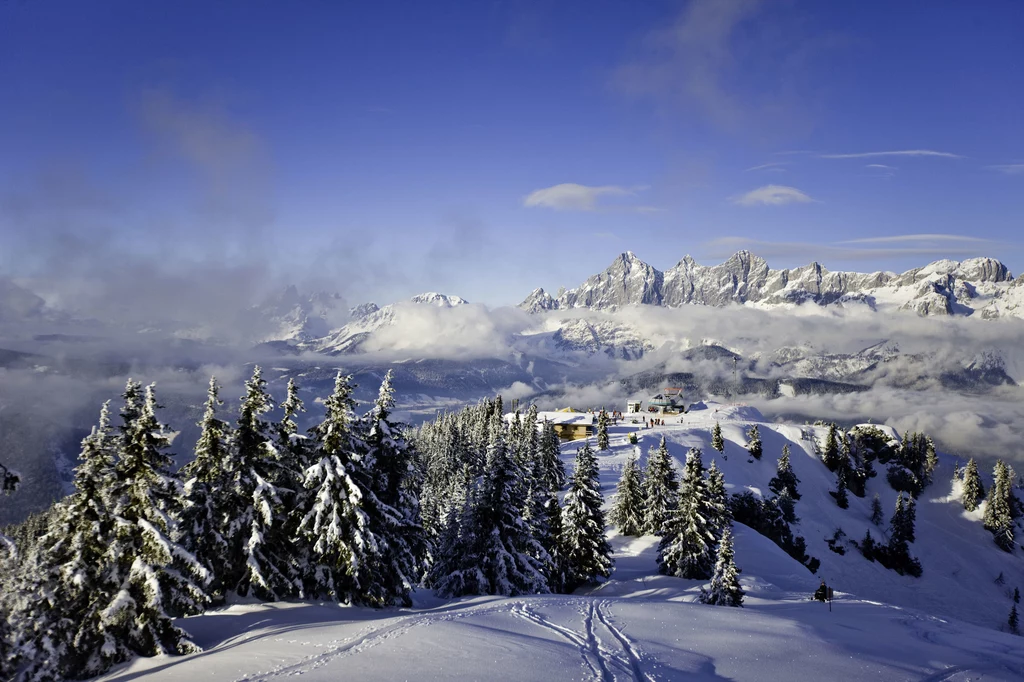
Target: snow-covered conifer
[
  {"x": 586, "y": 554},
  {"x": 551, "y": 456},
  {"x": 784, "y": 478},
  {"x": 686, "y": 548},
  {"x": 206, "y": 482},
  {"x": 754, "y": 442},
  {"x": 333, "y": 522},
  {"x": 717, "y": 513},
  {"x": 602, "y": 430},
  {"x": 999, "y": 507},
  {"x": 717, "y": 442},
  {"x": 661, "y": 489},
  {"x": 627, "y": 513},
  {"x": 725, "y": 589},
  {"x": 393, "y": 506},
  {"x": 841, "y": 498},
  {"x": 259, "y": 552},
  {"x": 155, "y": 579},
  {"x": 830, "y": 456}
]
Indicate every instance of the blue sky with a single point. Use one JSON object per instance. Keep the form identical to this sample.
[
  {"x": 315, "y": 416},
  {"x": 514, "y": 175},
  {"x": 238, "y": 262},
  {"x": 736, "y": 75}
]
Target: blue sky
[{"x": 485, "y": 148}]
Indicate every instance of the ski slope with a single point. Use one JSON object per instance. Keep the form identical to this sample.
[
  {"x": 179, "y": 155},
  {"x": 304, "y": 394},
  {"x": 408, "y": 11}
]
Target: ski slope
[{"x": 643, "y": 626}]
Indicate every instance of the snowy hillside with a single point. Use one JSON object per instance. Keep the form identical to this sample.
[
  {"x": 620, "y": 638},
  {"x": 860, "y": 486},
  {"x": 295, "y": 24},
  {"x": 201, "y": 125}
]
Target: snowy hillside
[{"x": 643, "y": 626}]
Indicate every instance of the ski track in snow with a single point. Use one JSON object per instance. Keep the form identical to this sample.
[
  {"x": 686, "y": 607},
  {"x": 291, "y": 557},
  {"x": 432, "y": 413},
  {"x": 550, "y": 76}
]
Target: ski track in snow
[
  {"x": 369, "y": 638},
  {"x": 633, "y": 654}
]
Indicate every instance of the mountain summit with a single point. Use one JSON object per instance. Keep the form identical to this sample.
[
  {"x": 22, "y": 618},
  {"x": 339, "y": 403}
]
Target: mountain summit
[{"x": 941, "y": 288}]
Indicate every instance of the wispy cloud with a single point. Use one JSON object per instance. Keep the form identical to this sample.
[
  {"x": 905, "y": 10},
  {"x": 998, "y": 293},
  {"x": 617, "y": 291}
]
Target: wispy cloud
[
  {"x": 570, "y": 196},
  {"x": 902, "y": 152},
  {"x": 903, "y": 238},
  {"x": 773, "y": 195},
  {"x": 773, "y": 166},
  {"x": 1008, "y": 168},
  {"x": 880, "y": 166},
  {"x": 723, "y": 247}
]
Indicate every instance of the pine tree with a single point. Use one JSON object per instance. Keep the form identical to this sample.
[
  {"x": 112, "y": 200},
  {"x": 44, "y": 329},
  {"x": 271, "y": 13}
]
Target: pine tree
[
  {"x": 841, "y": 498},
  {"x": 551, "y": 455},
  {"x": 686, "y": 547},
  {"x": 508, "y": 552},
  {"x": 602, "y": 430},
  {"x": 392, "y": 507},
  {"x": 910, "y": 518},
  {"x": 1016, "y": 595},
  {"x": 717, "y": 514},
  {"x": 784, "y": 478},
  {"x": 998, "y": 510},
  {"x": 717, "y": 442},
  {"x": 585, "y": 550},
  {"x": 867, "y": 546},
  {"x": 154, "y": 578},
  {"x": 206, "y": 481},
  {"x": 725, "y": 589},
  {"x": 544, "y": 516},
  {"x": 259, "y": 553},
  {"x": 333, "y": 522},
  {"x": 454, "y": 572},
  {"x": 973, "y": 489},
  {"x": 754, "y": 442},
  {"x": 661, "y": 490},
  {"x": 63, "y": 586},
  {"x": 830, "y": 456},
  {"x": 628, "y": 511},
  {"x": 1013, "y": 621},
  {"x": 876, "y": 511}
]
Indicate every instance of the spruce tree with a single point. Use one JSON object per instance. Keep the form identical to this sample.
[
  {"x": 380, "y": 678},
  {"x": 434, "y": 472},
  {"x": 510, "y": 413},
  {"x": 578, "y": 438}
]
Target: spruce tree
[
  {"x": 544, "y": 517},
  {"x": 602, "y": 430},
  {"x": 830, "y": 456},
  {"x": 876, "y": 511},
  {"x": 63, "y": 584},
  {"x": 206, "y": 485},
  {"x": 393, "y": 506},
  {"x": 754, "y": 442},
  {"x": 508, "y": 552},
  {"x": 155, "y": 579},
  {"x": 998, "y": 510},
  {"x": 586, "y": 554},
  {"x": 551, "y": 455},
  {"x": 259, "y": 553},
  {"x": 628, "y": 511},
  {"x": 717, "y": 514},
  {"x": 333, "y": 523},
  {"x": 455, "y": 571},
  {"x": 1014, "y": 620},
  {"x": 725, "y": 589},
  {"x": 661, "y": 490},
  {"x": 974, "y": 491},
  {"x": 686, "y": 548},
  {"x": 717, "y": 442},
  {"x": 867, "y": 546},
  {"x": 841, "y": 498},
  {"x": 784, "y": 478}
]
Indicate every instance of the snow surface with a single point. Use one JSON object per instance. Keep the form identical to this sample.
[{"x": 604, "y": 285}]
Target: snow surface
[{"x": 643, "y": 626}]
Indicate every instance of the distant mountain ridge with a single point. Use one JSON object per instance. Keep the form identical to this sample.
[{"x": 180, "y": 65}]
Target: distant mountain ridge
[{"x": 945, "y": 287}]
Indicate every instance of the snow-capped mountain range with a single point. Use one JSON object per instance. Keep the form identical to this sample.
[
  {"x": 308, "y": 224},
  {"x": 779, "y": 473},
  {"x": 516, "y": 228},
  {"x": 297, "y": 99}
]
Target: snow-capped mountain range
[{"x": 980, "y": 286}]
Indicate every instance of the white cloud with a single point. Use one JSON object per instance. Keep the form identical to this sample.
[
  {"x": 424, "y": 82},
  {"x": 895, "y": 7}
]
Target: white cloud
[
  {"x": 880, "y": 166},
  {"x": 724, "y": 247},
  {"x": 1008, "y": 168},
  {"x": 773, "y": 195},
  {"x": 904, "y": 152},
  {"x": 918, "y": 238},
  {"x": 570, "y": 196},
  {"x": 773, "y": 166}
]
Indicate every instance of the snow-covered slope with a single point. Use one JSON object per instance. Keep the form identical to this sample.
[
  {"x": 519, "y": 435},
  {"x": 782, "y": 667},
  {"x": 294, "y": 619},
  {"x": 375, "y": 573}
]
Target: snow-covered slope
[
  {"x": 643, "y": 626},
  {"x": 977, "y": 285}
]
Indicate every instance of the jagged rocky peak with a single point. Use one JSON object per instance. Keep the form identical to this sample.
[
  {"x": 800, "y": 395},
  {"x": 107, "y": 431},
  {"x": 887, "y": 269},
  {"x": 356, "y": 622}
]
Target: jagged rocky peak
[
  {"x": 440, "y": 300},
  {"x": 941, "y": 288},
  {"x": 539, "y": 300},
  {"x": 362, "y": 310}
]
